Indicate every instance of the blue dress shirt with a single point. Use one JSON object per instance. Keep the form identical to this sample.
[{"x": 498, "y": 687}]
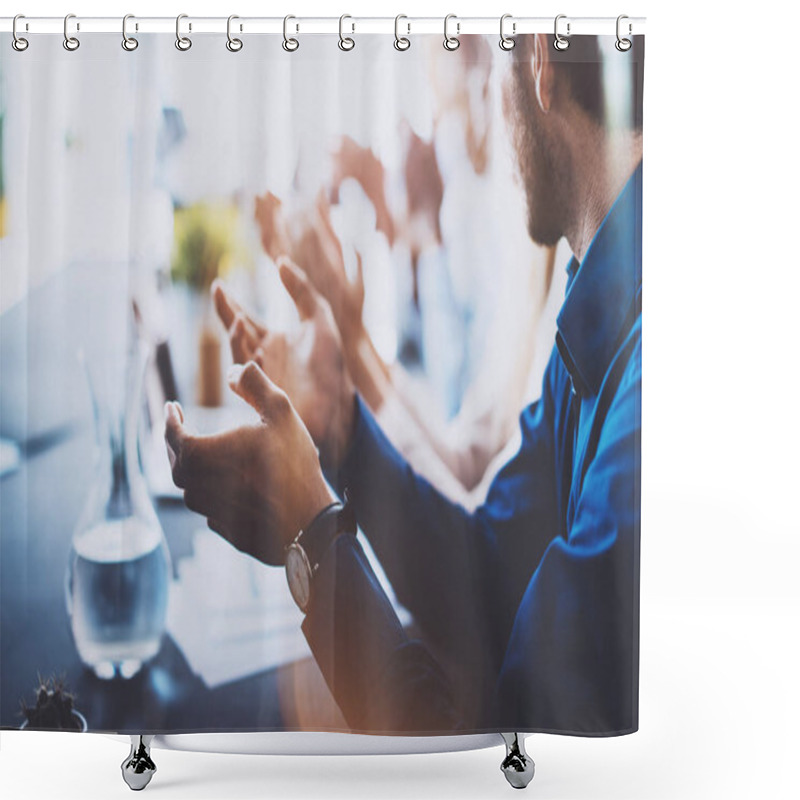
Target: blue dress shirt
[{"x": 534, "y": 596}]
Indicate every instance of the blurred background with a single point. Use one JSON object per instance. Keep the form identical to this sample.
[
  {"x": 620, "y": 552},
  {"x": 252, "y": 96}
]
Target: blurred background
[{"x": 184, "y": 143}]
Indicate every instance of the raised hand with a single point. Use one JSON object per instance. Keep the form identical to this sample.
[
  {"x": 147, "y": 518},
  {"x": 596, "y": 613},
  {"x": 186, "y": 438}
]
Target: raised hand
[
  {"x": 307, "y": 364},
  {"x": 258, "y": 485},
  {"x": 424, "y": 188},
  {"x": 351, "y": 160},
  {"x": 272, "y": 224},
  {"x": 318, "y": 252}
]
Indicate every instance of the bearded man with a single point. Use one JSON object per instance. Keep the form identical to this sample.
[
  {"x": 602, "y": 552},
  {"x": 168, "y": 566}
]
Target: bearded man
[{"x": 534, "y": 595}]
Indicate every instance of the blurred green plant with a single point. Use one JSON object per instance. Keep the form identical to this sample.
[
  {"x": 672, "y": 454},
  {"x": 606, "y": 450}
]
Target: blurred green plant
[{"x": 208, "y": 243}]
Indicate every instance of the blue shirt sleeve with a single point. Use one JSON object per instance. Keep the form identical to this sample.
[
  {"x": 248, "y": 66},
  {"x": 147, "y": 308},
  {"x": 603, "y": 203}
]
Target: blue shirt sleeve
[
  {"x": 541, "y": 616},
  {"x": 572, "y": 657},
  {"x": 461, "y": 575}
]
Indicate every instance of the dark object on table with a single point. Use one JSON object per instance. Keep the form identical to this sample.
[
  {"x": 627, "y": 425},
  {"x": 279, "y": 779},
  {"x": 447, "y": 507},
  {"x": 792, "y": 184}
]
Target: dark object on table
[{"x": 54, "y": 707}]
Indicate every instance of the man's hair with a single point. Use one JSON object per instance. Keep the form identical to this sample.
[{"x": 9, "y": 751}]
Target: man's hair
[{"x": 583, "y": 68}]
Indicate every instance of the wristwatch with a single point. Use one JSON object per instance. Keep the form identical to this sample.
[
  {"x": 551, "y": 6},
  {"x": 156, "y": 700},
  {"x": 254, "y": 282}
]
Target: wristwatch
[{"x": 305, "y": 551}]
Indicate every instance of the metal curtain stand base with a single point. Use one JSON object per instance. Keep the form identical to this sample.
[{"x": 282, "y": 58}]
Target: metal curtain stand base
[
  {"x": 138, "y": 768},
  {"x": 517, "y": 766}
]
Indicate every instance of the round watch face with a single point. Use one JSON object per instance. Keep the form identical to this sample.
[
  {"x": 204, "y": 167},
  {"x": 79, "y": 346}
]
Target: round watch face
[{"x": 298, "y": 574}]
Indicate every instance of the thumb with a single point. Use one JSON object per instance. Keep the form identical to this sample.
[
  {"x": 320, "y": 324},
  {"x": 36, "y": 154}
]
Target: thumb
[
  {"x": 359, "y": 279},
  {"x": 174, "y": 432},
  {"x": 251, "y": 384},
  {"x": 323, "y": 207},
  {"x": 324, "y": 212},
  {"x": 298, "y": 287},
  {"x": 226, "y": 308}
]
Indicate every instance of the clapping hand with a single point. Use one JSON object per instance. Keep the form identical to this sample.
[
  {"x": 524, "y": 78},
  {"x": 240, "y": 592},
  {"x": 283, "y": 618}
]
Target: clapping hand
[
  {"x": 307, "y": 364},
  {"x": 258, "y": 485}
]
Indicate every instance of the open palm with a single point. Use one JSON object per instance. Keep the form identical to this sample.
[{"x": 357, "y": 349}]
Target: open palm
[{"x": 307, "y": 363}]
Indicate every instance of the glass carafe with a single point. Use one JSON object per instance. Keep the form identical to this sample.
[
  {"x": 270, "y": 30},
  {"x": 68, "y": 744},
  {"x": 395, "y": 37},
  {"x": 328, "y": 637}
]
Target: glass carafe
[{"x": 117, "y": 578}]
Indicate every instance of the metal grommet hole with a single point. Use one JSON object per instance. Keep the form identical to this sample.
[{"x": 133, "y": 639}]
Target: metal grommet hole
[
  {"x": 289, "y": 43},
  {"x": 451, "y": 43},
  {"x": 622, "y": 44},
  {"x": 560, "y": 43},
  {"x": 183, "y": 43},
  {"x": 233, "y": 44},
  {"x": 507, "y": 42},
  {"x": 129, "y": 43},
  {"x": 19, "y": 43},
  {"x": 70, "y": 43}
]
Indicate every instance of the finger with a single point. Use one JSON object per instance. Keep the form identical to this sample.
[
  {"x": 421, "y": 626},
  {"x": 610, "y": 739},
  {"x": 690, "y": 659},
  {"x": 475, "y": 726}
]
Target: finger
[
  {"x": 196, "y": 458},
  {"x": 227, "y": 309},
  {"x": 224, "y": 304},
  {"x": 252, "y": 385},
  {"x": 257, "y": 330},
  {"x": 241, "y": 341},
  {"x": 175, "y": 436},
  {"x": 268, "y": 202},
  {"x": 324, "y": 210},
  {"x": 254, "y": 329},
  {"x": 299, "y": 288},
  {"x": 333, "y": 191},
  {"x": 359, "y": 279},
  {"x": 260, "y": 357},
  {"x": 323, "y": 207}
]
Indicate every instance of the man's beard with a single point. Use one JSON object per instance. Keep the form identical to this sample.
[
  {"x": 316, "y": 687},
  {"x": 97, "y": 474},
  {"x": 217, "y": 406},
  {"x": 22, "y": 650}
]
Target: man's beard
[{"x": 542, "y": 173}]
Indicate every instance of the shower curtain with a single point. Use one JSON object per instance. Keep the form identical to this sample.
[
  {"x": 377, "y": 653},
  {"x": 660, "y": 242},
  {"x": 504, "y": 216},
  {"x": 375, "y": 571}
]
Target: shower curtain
[{"x": 321, "y": 384}]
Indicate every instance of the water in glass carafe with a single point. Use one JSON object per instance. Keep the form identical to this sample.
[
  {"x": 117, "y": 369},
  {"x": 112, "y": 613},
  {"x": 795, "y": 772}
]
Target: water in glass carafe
[{"x": 117, "y": 578}]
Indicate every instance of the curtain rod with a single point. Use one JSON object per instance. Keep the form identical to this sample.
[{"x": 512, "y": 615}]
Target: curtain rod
[{"x": 329, "y": 25}]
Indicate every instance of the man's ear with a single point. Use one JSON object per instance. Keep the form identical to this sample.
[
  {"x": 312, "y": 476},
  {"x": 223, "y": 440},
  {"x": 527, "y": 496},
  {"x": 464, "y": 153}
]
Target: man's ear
[{"x": 542, "y": 71}]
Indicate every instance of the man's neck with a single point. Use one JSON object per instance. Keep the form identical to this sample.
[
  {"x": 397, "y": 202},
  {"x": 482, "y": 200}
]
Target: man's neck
[{"x": 600, "y": 178}]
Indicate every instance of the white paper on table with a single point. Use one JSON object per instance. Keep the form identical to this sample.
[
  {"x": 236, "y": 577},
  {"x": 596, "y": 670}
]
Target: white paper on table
[{"x": 233, "y": 616}]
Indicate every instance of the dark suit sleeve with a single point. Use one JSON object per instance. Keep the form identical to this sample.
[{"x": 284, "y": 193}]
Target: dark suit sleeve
[
  {"x": 460, "y": 574},
  {"x": 382, "y": 680}
]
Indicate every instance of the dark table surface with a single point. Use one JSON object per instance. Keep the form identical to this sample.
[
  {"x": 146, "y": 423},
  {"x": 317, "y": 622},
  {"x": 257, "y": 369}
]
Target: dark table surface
[{"x": 44, "y": 406}]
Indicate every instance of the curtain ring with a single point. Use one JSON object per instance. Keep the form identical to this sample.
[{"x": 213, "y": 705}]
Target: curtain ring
[
  {"x": 70, "y": 42},
  {"x": 181, "y": 42},
  {"x": 401, "y": 42},
  {"x": 233, "y": 44},
  {"x": 128, "y": 42},
  {"x": 18, "y": 42},
  {"x": 289, "y": 44},
  {"x": 451, "y": 42},
  {"x": 561, "y": 43},
  {"x": 506, "y": 42},
  {"x": 621, "y": 44},
  {"x": 346, "y": 42}
]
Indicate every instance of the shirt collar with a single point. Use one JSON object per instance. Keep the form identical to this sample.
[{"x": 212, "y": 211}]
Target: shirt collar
[{"x": 603, "y": 291}]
